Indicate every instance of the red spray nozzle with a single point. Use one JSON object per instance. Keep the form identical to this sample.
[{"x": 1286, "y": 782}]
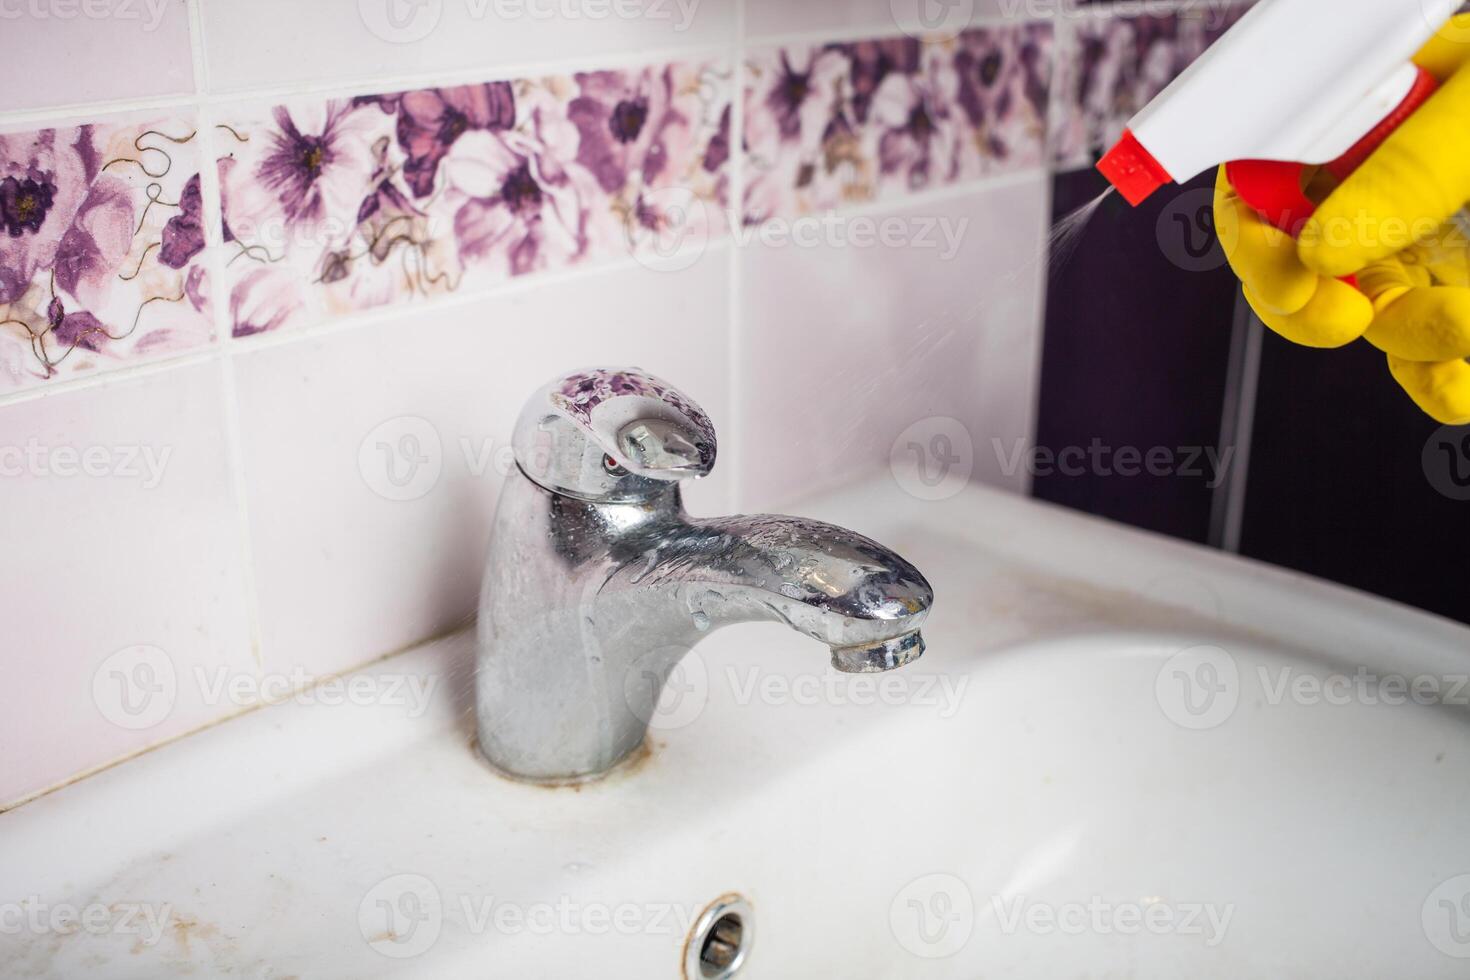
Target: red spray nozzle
[{"x": 1133, "y": 170}]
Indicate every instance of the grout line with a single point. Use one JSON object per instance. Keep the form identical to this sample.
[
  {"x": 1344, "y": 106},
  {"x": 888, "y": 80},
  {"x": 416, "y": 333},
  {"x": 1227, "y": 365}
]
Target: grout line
[
  {"x": 128, "y": 372},
  {"x": 9, "y": 805},
  {"x": 839, "y": 34},
  {"x": 197, "y": 48},
  {"x": 1063, "y": 44},
  {"x": 736, "y": 339},
  {"x": 1063, "y": 35},
  {"x": 53, "y": 117},
  {"x": 235, "y": 460},
  {"x": 893, "y": 28},
  {"x": 1130, "y": 9},
  {"x": 213, "y": 206},
  {"x": 311, "y": 684}
]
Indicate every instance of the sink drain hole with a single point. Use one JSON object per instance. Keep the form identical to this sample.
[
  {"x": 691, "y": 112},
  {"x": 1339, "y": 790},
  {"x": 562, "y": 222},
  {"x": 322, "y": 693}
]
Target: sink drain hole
[
  {"x": 721, "y": 945},
  {"x": 721, "y": 940}
]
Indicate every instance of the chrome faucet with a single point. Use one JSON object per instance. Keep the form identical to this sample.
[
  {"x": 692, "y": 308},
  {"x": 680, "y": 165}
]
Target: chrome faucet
[{"x": 598, "y": 583}]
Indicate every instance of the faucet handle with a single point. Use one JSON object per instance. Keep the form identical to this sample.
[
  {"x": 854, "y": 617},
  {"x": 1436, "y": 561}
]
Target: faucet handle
[{"x": 613, "y": 434}]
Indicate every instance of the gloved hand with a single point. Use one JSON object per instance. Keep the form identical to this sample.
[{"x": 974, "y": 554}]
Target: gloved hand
[{"x": 1390, "y": 223}]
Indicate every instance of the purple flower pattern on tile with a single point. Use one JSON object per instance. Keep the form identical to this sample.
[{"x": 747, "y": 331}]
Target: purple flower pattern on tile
[
  {"x": 1109, "y": 67},
  {"x": 349, "y": 205},
  {"x": 579, "y": 395},
  {"x": 834, "y": 124},
  {"x": 101, "y": 235},
  {"x": 183, "y": 236},
  {"x": 430, "y": 121}
]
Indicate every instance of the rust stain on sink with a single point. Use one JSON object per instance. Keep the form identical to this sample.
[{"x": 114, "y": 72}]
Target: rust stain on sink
[{"x": 637, "y": 761}]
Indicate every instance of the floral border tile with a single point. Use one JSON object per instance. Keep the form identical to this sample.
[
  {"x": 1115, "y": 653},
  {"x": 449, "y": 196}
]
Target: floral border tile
[
  {"x": 101, "y": 242},
  {"x": 345, "y": 205},
  {"x": 833, "y": 124},
  {"x": 1109, "y": 67}
]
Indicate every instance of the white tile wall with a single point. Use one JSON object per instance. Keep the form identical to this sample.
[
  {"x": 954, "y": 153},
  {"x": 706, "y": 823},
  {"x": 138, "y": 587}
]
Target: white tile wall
[
  {"x": 273, "y": 43},
  {"x": 849, "y": 346},
  {"x": 69, "y": 52},
  {"x": 105, "y": 553}
]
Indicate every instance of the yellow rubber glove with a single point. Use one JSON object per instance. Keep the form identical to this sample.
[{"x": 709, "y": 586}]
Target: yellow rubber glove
[{"x": 1391, "y": 224}]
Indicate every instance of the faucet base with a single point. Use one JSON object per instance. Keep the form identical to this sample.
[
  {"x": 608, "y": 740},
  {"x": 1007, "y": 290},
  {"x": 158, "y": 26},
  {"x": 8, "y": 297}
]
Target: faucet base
[{"x": 628, "y": 764}]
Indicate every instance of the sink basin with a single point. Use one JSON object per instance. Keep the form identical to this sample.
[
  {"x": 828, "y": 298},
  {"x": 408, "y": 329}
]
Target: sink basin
[{"x": 1121, "y": 756}]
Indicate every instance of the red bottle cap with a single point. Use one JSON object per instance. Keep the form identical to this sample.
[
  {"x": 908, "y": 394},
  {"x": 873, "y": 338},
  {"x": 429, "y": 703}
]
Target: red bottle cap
[{"x": 1133, "y": 170}]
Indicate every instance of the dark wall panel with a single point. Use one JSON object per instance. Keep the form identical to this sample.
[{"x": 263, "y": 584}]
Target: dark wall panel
[
  {"x": 1136, "y": 350},
  {"x": 1345, "y": 483}
]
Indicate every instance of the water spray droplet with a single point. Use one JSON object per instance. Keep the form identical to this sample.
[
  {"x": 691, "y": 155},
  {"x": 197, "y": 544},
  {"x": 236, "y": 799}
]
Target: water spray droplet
[{"x": 1066, "y": 234}]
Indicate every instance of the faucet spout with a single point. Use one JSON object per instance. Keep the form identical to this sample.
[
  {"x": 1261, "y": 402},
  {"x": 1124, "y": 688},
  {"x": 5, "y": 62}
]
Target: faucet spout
[
  {"x": 854, "y": 595},
  {"x": 598, "y": 584}
]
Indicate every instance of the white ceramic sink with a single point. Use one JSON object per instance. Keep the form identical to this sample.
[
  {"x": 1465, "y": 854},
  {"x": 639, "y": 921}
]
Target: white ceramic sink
[{"x": 1121, "y": 757}]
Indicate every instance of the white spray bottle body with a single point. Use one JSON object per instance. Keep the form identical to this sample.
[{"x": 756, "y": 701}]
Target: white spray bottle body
[{"x": 1294, "y": 80}]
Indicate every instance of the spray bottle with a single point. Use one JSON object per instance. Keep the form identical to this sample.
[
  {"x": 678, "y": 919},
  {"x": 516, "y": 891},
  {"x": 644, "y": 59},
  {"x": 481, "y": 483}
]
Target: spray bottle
[{"x": 1274, "y": 96}]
